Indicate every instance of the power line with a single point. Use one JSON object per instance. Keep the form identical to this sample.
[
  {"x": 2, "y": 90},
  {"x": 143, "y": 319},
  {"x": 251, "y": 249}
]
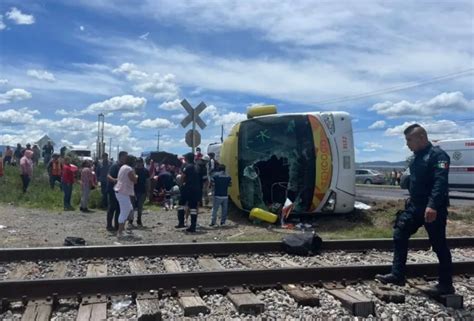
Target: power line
[{"x": 378, "y": 92}]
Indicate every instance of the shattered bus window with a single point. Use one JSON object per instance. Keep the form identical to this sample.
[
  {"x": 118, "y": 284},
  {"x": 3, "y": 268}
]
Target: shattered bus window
[{"x": 276, "y": 161}]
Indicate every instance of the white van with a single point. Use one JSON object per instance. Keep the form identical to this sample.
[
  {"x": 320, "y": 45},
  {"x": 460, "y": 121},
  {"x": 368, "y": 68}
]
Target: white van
[
  {"x": 461, "y": 169},
  {"x": 82, "y": 152}
]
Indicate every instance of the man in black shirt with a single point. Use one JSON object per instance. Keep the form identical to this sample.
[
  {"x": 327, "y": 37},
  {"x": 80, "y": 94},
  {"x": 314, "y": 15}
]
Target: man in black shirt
[
  {"x": 113, "y": 209},
  {"x": 189, "y": 193},
  {"x": 48, "y": 150},
  {"x": 140, "y": 189}
]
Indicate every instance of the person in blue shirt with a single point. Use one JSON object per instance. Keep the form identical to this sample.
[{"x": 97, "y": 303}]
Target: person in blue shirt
[{"x": 221, "y": 182}]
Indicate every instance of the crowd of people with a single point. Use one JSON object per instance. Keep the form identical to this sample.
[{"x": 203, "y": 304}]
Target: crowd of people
[{"x": 126, "y": 184}]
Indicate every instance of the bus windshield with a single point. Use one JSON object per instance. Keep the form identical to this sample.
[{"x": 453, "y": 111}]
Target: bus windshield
[{"x": 276, "y": 162}]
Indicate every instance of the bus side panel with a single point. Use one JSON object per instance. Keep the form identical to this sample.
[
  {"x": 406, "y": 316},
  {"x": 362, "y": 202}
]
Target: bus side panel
[{"x": 229, "y": 157}]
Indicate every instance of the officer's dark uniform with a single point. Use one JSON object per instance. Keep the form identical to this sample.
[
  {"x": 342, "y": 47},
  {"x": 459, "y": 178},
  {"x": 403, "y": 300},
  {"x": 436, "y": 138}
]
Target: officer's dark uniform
[
  {"x": 189, "y": 194},
  {"x": 428, "y": 188}
]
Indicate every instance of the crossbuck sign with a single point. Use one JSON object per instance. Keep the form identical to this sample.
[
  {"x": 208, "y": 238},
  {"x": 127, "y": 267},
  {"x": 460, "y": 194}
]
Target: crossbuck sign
[{"x": 193, "y": 138}]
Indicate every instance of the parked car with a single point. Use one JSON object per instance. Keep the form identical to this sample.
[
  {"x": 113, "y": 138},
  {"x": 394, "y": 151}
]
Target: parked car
[{"x": 369, "y": 176}]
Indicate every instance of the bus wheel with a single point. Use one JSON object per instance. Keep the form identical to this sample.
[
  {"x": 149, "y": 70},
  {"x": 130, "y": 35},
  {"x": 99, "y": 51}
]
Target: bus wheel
[{"x": 368, "y": 181}]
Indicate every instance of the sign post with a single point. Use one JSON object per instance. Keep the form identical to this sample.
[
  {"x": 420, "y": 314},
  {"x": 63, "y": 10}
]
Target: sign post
[{"x": 193, "y": 138}]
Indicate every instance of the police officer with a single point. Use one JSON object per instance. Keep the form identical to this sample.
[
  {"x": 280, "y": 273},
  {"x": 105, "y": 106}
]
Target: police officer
[
  {"x": 427, "y": 206},
  {"x": 189, "y": 193}
]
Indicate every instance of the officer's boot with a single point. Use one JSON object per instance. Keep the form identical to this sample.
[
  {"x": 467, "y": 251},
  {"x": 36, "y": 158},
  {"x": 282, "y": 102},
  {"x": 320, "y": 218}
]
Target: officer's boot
[
  {"x": 192, "y": 227},
  {"x": 390, "y": 278},
  {"x": 180, "y": 218}
]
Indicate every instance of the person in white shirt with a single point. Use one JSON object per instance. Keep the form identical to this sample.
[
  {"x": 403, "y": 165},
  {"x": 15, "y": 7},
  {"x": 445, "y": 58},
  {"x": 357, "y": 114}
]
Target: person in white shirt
[{"x": 124, "y": 190}]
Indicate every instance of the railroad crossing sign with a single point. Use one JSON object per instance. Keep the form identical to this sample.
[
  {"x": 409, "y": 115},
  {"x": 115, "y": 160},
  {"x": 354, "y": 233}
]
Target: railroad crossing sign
[
  {"x": 193, "y": 138},
  {"x": 193, "y": 114}
]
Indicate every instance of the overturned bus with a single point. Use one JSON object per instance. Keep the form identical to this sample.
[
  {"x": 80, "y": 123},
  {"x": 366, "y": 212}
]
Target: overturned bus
[{"x": 307, "y": 158}]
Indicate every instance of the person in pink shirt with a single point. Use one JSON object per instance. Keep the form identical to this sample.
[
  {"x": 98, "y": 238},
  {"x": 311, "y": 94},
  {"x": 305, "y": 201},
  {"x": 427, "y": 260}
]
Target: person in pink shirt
[
  {"x": 87, "y": 183},
  {"x": 124, "y": 190},
  {"x": 26, "y": 169}
]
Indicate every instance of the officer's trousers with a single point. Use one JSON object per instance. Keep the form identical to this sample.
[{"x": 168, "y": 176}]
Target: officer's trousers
[{"x": 407, "y": 223}]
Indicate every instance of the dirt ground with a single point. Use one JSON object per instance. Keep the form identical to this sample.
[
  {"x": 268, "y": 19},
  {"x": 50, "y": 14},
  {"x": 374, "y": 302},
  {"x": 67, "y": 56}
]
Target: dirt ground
[{"x": 23, "y": 227}]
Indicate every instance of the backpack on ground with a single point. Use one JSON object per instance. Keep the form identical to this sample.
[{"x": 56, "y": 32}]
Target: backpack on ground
[
  {"x": 74, "y": 241},
  {"x": 303, "y": 244}
]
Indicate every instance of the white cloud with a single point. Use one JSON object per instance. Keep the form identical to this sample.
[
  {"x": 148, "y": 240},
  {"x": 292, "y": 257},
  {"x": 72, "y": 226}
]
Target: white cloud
[
  {"x": 156, "y": 123},
  {"x": 132, "y": 114},
  {"x": 172, "y": 105},
  {"x": 14, "y": 95},
  {"x": 131, "y": 71},
  {"x": 3, "y": 81},
  {"x": 453, "y": 102},
  {"x": 20, "y": 18},
  {"x": 179, "y": 116},
  {"x": 2, "y": 24},
  {"x": 162, "y": 87},
  {"x": 81, "y": 28},
  {"x": 378, "y": 124},
  {"x": 41, "y": 75},
  {"x": 437, "y": 129},
  {"x": 17, "y": 116},
  {"x": 230, "y": 119},
  {"x": 126, "y": 103},
  {"x": 372, "y": 145},
  {"x": 133, "y": 122}
]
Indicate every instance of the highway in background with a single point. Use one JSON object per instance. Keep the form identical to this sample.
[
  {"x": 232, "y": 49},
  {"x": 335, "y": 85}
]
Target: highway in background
[{"x": 365, "y": 193}]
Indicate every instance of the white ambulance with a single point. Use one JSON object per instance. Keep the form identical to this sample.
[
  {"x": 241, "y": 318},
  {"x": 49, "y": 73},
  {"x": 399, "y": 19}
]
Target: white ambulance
[{"x": 461, "y": 170}]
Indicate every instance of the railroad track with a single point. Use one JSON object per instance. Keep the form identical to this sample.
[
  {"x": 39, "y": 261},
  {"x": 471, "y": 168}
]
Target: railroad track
[{"x": 241, "y": 276}]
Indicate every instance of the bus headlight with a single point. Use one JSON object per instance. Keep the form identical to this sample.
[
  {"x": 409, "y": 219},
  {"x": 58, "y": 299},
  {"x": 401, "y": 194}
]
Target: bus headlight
[
  {"x": 329, "y": 121},
  {"x": 330, "y": 205}
]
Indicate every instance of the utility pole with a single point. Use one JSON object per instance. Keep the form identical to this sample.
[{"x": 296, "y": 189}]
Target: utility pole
[
  {"x": 100, "y": 146},
  {"x": 158, "y": 142},
  {"x": 222, "y": 133},
  {"x": 110, "y": 147},
  {"x": 118, "y": 149}
]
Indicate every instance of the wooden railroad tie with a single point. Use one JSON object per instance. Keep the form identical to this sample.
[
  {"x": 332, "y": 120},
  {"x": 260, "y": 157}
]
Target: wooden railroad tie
[
  {"x": 355, "y": 302},
  {"x": 41, "y": 310},
  {"x": 191, "y": 302},
  {"x": 296, "y": 291},
  {"x": 94, "y": 308},
  {"x": 148, "y": 304},
  {"x": 387, "y": 294},
  {"x": 454, "y": 301},
  {"x": 244, "y": 300}
]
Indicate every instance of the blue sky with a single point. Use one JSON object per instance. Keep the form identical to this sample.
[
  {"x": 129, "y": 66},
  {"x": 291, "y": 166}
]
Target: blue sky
[{"x": 63, "y": 62}]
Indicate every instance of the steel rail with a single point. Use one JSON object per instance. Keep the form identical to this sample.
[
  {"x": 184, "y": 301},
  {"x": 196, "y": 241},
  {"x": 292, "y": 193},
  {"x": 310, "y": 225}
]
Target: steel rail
[
  {"x": 217, "y": 248},
  {"x": 43, "y": 288}
]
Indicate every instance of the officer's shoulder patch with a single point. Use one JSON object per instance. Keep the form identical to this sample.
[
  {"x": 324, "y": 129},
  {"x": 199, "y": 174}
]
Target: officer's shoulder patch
[{"x": 442, "y": 164}]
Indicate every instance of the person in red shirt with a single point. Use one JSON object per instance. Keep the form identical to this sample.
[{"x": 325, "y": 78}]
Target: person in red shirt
[
  {"x": 54, "y": 170},
  {"x": 67, "y": 181}
]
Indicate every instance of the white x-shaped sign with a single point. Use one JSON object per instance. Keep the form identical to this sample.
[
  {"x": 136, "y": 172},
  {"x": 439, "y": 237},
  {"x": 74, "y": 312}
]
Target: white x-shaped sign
[{"x": 193, "y": 114}]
